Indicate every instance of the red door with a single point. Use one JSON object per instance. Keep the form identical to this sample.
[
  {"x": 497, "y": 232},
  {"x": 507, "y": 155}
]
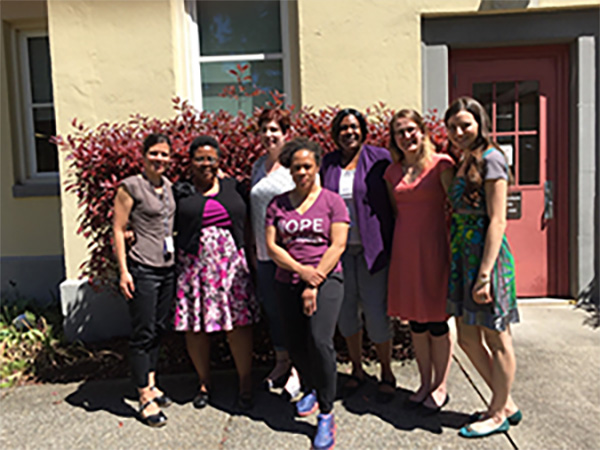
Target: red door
[{"x": 524, "y": 90}]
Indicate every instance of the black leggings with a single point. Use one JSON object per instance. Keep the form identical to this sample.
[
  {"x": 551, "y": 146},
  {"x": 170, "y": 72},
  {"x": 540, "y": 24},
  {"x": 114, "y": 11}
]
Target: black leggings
[
  {"x": 436, "y": 329},
  {"x": 149, "y": 310},
  {"x": 310, "y": 339}
]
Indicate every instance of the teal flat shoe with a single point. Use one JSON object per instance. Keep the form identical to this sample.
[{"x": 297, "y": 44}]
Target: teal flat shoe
[
  {"x": 515, "y": 419},
  {"x": 468, "y": 432}
]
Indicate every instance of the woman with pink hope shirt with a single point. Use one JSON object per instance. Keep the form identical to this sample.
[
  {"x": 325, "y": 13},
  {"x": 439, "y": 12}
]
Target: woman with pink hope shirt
[{"x": 306, "y": 232}]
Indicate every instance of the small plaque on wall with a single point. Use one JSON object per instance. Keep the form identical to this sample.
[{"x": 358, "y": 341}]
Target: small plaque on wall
[{"x": 513, "y": 205}]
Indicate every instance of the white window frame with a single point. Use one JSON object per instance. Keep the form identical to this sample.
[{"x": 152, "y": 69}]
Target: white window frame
[
  {"x": 197, "y": 59},
  {"x": 28, "y": 176}
]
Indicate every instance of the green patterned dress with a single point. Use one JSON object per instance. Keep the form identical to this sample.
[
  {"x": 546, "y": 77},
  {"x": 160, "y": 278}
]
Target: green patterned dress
[{"x": 467, "y": 239}]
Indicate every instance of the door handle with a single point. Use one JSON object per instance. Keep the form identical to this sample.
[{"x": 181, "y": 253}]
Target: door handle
[{"x": 548, "y": 200}]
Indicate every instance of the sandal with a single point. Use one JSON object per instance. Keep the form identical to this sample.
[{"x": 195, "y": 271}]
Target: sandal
[
  {"x": 384, "y": 396},
  {"x": 245, "y": 401},
  {"x": 154, "y": 420},
  {"x": 348, "y": 391},
  {"x": 201, "y": 399},
  {"x": 163, "y": 400}
]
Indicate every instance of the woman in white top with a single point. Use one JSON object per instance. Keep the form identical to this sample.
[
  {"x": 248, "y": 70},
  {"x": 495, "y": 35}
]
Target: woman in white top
[{"x": 269, "y": 178}]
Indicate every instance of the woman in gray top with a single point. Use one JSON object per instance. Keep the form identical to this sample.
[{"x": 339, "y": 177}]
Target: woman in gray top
[{"x": 147, "y": 279}]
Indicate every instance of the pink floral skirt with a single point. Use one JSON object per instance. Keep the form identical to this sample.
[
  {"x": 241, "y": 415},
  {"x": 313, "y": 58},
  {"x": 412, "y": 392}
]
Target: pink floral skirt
[{"x": 214, "y": 290}]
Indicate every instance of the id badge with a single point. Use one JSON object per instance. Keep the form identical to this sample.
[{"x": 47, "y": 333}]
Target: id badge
[{"x": 169, "y": 246}]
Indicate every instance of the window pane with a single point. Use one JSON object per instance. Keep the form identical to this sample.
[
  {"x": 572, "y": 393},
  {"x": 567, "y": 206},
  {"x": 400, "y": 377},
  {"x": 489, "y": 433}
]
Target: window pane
[
  {"x": 266, "y": 76},
  {"x": 529, "y": 160},
  {"x": 529, "y": 105},
  {"x": 39, "y": 69},
  {"x": 239, "y": 27},
  {"x": 482, "y": 92},
  {"x": 507, "y": 144},
  {"x": 45, "y": 152},
  {"x": 505, "y": 106}
]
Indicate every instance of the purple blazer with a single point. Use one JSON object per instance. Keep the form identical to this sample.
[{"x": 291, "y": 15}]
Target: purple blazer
[{"x": 373, "y": 209}]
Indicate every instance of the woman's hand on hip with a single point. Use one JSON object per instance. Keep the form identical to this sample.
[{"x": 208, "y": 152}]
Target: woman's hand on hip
[
  {"x": 126, "y": 285},
  {"x": 309, "y": 300},
  {"x": 482, "y": 293},
  {"x": 311, "y": 275}
]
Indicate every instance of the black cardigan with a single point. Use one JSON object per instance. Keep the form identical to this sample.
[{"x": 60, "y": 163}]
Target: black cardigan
[{"x": 190, "y": 208}]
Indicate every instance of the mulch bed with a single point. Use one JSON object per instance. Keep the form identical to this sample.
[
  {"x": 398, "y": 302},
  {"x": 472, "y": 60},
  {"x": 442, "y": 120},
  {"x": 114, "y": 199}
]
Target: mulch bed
[{"x": 109, "y": 359}]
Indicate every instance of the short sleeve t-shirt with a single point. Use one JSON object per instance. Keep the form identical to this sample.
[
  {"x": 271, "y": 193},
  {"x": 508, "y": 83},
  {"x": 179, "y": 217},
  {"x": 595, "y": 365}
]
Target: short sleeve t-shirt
[{"x": 306, "y": 236}]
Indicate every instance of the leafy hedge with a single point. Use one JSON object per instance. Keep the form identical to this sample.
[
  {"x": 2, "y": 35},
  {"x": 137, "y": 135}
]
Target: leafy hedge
[{"x": 98, "y": 158}]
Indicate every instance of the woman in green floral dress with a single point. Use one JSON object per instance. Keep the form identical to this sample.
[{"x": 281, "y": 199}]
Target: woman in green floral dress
[{"x": 481, "y": 291}]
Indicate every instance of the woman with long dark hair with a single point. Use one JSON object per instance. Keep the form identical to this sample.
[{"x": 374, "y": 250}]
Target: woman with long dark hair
[{"x": 482, "y": 293}]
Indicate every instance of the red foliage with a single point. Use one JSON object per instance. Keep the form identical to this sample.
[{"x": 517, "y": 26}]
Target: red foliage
[{"x": 98, "y": 158}]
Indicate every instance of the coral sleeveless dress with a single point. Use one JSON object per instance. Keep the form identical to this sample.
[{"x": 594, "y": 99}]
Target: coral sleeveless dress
[{"x": 420, "y": 259}]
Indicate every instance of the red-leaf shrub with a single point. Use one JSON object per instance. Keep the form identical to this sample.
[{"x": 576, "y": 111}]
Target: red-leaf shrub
[{"x": 98, "y": 158}]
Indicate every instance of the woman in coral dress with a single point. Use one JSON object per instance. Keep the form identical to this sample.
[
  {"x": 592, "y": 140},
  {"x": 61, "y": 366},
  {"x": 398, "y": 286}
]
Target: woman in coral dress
[{"x": 420, "y": 259}]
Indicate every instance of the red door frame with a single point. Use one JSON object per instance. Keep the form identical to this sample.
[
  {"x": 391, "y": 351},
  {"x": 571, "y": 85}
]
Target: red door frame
[{"x": 557, "y": 164}]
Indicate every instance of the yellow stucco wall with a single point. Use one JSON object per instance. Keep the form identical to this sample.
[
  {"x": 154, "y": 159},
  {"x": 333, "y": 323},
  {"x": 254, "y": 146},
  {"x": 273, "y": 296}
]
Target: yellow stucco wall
[
  {"x": 110, "y": 59},
  {"x": 28, "y": 226},
  {"x": 359, "y": 52}
]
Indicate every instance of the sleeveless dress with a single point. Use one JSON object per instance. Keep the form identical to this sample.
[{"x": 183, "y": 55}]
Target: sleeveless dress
[
  {"x": 420, "y": 260},
  {"x": 467, "y": 239}
]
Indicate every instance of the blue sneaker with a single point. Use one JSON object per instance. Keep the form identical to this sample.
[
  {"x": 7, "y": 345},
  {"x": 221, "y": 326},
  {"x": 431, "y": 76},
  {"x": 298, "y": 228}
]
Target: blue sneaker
[
  {"x": 307, "y": 404},
  {"x": 325, "y": 437}
]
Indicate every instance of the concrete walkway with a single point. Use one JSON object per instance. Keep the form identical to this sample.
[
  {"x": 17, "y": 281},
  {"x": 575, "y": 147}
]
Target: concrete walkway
[{"x": 557, "y": 387}]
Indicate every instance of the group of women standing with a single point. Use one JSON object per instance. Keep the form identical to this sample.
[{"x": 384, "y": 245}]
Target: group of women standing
[{"x": 359, "y": 234}]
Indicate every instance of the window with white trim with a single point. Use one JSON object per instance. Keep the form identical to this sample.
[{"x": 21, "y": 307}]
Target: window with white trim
[
  {"x": 39, "y": 157},
  {"x": 235, "y": 35}
]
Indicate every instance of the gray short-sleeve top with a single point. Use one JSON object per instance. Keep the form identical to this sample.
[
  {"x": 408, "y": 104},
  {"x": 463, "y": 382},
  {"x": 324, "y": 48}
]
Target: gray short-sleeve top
[
  {"x": 151, "y": 218},
  {"x": 495, "y": 165}
]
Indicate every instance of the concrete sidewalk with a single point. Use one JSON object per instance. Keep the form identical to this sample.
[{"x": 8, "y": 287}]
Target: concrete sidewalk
[{"x": 557, "y": 387}]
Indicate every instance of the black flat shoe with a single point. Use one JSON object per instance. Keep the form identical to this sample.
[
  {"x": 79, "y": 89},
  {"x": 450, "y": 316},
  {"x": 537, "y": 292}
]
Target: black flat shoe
[
  {"x": 384, "y": 396},
  {"x": 201, "y": 399},
  {"x": 348, "y": 391},
  {"x": 154, "y": 420},
  {"x": 412, "y": 404},
  {"x": 245, "y": 401},
  {"x": 430, "y": 411},
  {"x": 163, "y": 401}
]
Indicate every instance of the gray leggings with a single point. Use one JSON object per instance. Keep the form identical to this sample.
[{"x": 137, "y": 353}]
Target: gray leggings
[{"x": 310, "y": 339}]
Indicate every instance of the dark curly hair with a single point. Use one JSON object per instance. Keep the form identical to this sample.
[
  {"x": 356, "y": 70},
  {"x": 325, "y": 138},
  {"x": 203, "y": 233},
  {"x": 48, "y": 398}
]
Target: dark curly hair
[{"x": 297, "y": 144}]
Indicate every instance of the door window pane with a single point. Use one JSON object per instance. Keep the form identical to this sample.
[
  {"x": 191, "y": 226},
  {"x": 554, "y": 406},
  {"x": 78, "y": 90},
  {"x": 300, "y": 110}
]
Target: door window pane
[
  {"x": 505, "y": 109},
  {"x": 266, "y": 76},
  {"x": 529, "y": 160},
  {"x": 239, "y": 27},
  {"x": 507, "y": 144},
  {"x": 529, "y": 105},
  {"x": 39, "y": 69},
  {"x": 483, "y": 93}
]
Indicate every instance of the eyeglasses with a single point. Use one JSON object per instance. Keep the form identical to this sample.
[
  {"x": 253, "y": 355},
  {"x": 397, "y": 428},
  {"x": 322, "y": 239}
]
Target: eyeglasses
[
  {"x": 201, "y": 159},
  {"x": 406, "y": 131}
]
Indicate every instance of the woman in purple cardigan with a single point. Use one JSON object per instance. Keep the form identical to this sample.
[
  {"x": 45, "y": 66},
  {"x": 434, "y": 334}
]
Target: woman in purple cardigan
[{"x": 355, "y": 171}]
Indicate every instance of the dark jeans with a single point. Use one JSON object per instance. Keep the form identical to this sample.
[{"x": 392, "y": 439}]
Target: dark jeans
[
  {"x": 265, "y": 274},
  {"x": 149, "y": 311},
  {"x": 310, "y": 339}
]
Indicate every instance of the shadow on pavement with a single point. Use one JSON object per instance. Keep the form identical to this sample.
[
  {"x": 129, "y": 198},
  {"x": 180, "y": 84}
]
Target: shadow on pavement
[
  {"x": 397, "y": 414},
  {"x": 106, "y": 396},
  {"x": 118, "y": 397}
]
